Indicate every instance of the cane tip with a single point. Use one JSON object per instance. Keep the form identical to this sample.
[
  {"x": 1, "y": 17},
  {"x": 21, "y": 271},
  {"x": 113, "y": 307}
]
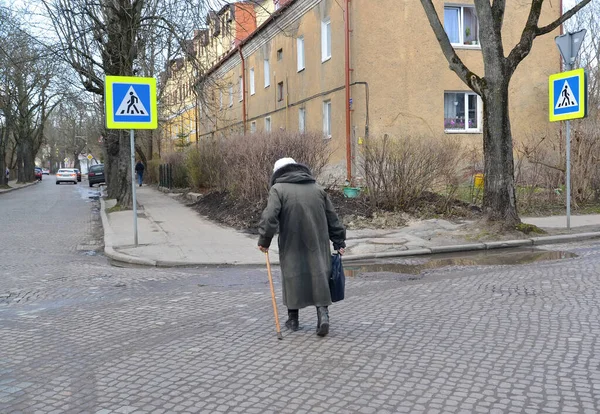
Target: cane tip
[{"x": 279, "y": 336}]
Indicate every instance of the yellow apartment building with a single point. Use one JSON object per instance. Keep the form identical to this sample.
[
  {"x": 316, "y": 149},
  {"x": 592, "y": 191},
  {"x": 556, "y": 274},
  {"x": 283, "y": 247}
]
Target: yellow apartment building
[{"x": 289, "y": 73}]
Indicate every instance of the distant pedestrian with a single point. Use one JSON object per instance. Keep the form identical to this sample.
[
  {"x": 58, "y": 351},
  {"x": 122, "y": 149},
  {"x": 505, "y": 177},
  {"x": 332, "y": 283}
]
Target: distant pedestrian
[
  {"x": 7, "y": 174},
  {"x": 139, "y": 172},
  {"x": 305, "y": 217}
]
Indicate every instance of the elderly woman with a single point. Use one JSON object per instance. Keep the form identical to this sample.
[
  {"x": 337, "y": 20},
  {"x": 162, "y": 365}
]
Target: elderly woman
[{"x": 302, "y": 212}]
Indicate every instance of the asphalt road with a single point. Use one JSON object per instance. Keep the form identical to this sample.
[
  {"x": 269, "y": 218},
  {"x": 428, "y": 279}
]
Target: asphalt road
[{"x": 79, "y": 335}]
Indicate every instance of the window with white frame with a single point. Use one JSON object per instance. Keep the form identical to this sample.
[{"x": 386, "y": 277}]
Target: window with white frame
[
  {"x": 462, "y": 112},
  {"x": 302, "y": 119},
  {"x": 230, "y": 95},
  {"x": 253, "y": 127},
  {"x": 268, "y": 124},
  {"x": 267, "y": 70},
  {"x": 300, "y": 51},
  {"x": 326, "y": 39},
  {"x": 327, "y": 119},
  {"x": 252, "y": 90},
  {"x": 462, "y": 25},
  {"x": 241, "y": 87}
]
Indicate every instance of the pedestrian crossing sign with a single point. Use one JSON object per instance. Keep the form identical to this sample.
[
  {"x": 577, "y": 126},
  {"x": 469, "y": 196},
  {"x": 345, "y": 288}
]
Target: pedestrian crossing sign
[
  {"x": 130, "y": 102},
  {"x": 568, "y": 95}
]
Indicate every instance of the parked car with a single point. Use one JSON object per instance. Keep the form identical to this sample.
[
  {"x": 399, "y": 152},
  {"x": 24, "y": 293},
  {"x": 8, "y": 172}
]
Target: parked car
[
  {"x": 78, "y": 175},
  {"x": 45, "y": 171},
  {"x": 66, "y": 175},
  {"x": 38, "y": 174},
  {"x": 96, "y": 174}
]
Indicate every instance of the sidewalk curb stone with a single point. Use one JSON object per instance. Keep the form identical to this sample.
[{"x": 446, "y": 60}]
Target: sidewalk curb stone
[
  {"x": 18, "y": 188},
  {"x": 109, "y": 250},
  {"x": 112, "y": 253}
]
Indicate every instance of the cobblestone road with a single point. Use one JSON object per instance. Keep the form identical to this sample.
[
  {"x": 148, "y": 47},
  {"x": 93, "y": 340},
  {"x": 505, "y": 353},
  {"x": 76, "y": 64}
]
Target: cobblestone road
[{"x": 78, "y": 335}]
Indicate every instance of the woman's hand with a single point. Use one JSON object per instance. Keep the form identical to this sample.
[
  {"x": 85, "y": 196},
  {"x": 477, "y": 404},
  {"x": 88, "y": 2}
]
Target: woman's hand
[{"x": 263, "y": 249}]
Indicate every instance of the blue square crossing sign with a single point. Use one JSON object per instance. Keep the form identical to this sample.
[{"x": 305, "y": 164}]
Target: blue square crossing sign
[
  {"x": 568, "y": 95},
  {"x": 130, "y": 102}
]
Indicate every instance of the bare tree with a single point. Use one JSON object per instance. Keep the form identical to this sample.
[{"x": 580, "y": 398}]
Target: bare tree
[
  {"x": 120, "y": 37},
  {"x": 27, "y": 97},
  {"x": 499, "y": 200}
]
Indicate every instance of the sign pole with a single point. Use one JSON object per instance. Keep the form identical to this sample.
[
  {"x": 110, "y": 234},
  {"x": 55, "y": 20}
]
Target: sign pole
[
  {"x": 130, "y": 104},
  {"x": 135, "y": 230},
  {"x": 568, "y": 166},
  {"x": 569, "y": 45}
]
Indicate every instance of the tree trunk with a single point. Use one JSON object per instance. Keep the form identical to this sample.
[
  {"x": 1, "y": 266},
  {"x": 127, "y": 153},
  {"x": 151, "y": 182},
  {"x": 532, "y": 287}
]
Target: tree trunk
[
  {"x": 499, "y": 202},
  {"x": 125, "y": 197},
  {"x": 118, "y": 167},
  {"x": 20, "y": 171},
  {"x": 111, "y": 146},
  {"x": 28, "y": 161}
]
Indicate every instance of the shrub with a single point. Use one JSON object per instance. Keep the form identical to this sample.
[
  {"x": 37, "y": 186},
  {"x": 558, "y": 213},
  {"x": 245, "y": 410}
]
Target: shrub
[
  {"x": 180, "y": 173},
  {"x": 151, "y": 174},
  {"x": 243, "y": 165},
  {"x": 398, "y": 171},
  {"x": 205, "y": 165}
]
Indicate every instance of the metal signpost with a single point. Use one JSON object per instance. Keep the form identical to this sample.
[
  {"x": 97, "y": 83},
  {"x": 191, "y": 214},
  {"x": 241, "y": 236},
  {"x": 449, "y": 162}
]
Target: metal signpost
[
  {"x": 130, "y": 103},
  {"x": 568, "y": 96}
]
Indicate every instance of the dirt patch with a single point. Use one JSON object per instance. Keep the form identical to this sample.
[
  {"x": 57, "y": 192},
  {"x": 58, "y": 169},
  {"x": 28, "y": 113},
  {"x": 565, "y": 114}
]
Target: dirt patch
[{"x": 355, "y": 213}]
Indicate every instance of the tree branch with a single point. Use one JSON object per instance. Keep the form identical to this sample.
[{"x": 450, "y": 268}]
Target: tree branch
[
  {"x": 548, "y": 28},
  {"x": 531, "y": 31},
  {"x": 456, "y": 64}
]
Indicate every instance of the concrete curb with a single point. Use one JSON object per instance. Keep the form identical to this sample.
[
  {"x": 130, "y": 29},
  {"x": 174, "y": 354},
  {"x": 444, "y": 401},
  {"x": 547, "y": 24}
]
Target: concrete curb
[
  {"x": 506, "y": 244},
  {"x": 110, "y": 251},
  {"x": 18, "y": 188}
]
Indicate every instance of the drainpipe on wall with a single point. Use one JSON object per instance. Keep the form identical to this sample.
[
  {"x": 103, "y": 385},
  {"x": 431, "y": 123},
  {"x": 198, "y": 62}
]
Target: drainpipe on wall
[
  {"x": 244, "y": 114},
  {"x": 347, "y": 87}
]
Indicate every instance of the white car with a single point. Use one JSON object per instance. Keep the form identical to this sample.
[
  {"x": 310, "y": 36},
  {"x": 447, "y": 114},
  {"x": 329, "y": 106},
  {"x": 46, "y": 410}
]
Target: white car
[{"x": 66, "y": 175}]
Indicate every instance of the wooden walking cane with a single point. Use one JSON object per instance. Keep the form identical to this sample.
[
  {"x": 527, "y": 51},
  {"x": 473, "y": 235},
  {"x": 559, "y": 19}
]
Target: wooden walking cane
[{"x": 279, "y": 336}]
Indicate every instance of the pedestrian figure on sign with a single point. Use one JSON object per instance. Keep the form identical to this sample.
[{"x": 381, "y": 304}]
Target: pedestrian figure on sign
[
  {"x": 566, "y": 97},
  {"x": 305, "y": 217},
  {"x": 139, "y": 172},
  {"x": 133, "y": 100}
]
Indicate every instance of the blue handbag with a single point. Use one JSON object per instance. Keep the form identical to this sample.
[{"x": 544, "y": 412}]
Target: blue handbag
[{"x": 337, "y": 280}]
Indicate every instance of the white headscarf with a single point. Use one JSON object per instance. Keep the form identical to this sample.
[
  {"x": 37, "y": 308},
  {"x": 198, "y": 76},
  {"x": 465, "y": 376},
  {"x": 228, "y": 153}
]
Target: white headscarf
[{"x": 280, "y": 163}]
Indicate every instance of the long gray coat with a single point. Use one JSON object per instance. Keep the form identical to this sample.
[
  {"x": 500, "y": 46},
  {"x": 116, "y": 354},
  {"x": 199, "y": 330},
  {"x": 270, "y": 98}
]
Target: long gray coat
[{"x": 302, "y": 212}]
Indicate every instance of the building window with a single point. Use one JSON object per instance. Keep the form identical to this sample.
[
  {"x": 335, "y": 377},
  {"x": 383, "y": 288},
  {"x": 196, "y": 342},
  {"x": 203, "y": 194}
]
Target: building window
[
  {"x": 252, "y": 90},
  {"x": 280, "y": 54},
  {"x": 267, "y": 71},
  {"x": 462, "y": 25},
  {"x": 300, "y": 50},
  {"x": 268, "y": 124},
  {"x": 280, "y": 92},
  {"x": 462, "y": 112},
  {"x": 253, "y": 127},
  {"x": 327, "y": 119},
  {"x": 326, "y": 40},
  {"x": 241, "y": 86},
  {"x": 302, "y": 119},
  {"x": 230, "y": 95}
]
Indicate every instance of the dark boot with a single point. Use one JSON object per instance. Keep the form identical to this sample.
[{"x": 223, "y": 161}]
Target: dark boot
[
  {"x": 322, "y": 320},
  {"x": 292, "y": 322}
]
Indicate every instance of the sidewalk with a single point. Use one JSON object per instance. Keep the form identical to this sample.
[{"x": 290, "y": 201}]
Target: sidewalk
[
  {"x": 14, "y": 186},
  {"x": 171, "y": 234}
]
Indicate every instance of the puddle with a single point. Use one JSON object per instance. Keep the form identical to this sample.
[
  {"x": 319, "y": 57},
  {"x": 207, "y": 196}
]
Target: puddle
[{"x": 415, "y": 266}]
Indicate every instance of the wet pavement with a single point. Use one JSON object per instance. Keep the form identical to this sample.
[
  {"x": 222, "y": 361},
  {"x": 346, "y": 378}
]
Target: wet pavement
[
  {"x": 418, "y": 265},
  {"x": 514, "y": 331}
]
